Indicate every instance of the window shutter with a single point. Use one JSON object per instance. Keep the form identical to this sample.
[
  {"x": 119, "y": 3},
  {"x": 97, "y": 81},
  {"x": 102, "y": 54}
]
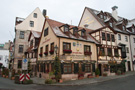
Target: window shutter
[
  {"x": 62, "y": 66},
  {"x": 76, "y": 67},
  {"x": 93, "y": 67},
  {"x": 83, "y": 67}
]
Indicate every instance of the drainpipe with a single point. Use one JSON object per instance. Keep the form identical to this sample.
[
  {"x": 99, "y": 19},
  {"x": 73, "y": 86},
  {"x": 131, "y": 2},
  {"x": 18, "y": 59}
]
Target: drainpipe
[
  {"x": 131, "y": 53},
  {"x": 97, "y": 55}
]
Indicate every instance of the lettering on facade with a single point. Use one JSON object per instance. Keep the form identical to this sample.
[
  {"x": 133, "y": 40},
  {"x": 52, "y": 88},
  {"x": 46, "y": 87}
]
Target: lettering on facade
[
  {"x": 46, "y": 41},
  {"x": 73, "y": 56}
]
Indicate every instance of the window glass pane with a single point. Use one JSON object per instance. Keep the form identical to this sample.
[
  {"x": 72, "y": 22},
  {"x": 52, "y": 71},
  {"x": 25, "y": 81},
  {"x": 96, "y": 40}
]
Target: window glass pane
[
  {"x": 35, "y": 15},
  {"x": 21, "y": 34},
  {"x": 108, "y": 37},
  {"x": 103, "y": 36},
  {"x": 31, "y": 23}
]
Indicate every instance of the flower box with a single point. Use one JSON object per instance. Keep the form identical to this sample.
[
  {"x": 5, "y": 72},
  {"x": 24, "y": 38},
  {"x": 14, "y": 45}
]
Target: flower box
[
  {"x": 67, "y": 51},
  {"x": 51, "y": 52},
  {"x": 46, "y": 53},
  {"x": 40, "y": 54},
  {"x": 90, "y": 76},
  {"x": 87, "y": 53}
]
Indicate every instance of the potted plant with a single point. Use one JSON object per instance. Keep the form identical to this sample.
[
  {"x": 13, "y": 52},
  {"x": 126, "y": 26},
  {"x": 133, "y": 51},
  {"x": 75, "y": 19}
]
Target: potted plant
[
  {"x": 13, "y": 74},
  {"x": 51, "y": 52},
  {"x": 46, "y": 53},
  {"x": 80, "y": 74},
  {"x": 109, "y": 54},
  {"x": 6, "y": 73},
  {"x": 118, "y": 72},
  {"x": 87, "y": 53},
  {"x": 97, "y": 72},
  {"x": 90, "y": 76},
  {"x": 67, "y": 51}
]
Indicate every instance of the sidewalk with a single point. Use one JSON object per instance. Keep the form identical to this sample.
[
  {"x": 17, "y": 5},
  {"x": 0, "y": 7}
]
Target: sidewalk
[{"x": 84, "y": 81}]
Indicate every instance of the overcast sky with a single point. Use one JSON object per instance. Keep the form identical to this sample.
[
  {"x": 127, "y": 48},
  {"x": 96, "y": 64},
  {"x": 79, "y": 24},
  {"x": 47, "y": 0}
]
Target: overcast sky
[{"x": 60, "y": 10}]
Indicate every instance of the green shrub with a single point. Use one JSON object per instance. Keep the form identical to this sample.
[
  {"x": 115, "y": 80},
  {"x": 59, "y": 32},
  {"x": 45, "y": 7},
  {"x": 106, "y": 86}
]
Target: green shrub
[
  {"x": 97, "y": 72},
  {"x": 48, "y": 81},
  {"x": 13, "y": 73},
  {"x": 119, "y": 72},
  {"x": 17, "y": 79}
]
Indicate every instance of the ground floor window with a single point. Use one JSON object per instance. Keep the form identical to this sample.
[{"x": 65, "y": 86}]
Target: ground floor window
[
  {"x": 67, "y": 68},
  {"x": 106, "y": 67},
  {"x": 87, "y": 68},
  {"x": 19, "y": 63},
  {"x": 112, "y": 68}
]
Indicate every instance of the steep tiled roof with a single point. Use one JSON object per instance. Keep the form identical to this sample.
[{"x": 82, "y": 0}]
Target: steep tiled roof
[
  {"x": 120, "y": 21},
  {"x": 36, "y": 34},
  {"x": 55, "y": 25}
]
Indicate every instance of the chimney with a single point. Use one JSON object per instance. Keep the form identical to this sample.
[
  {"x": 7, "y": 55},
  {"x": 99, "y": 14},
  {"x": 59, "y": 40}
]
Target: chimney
[
  {"x": 114, "y": 12},
  {"x": 44, "y": 12}
]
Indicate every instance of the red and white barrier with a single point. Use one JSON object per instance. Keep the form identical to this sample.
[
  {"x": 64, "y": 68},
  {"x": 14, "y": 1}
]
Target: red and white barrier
[
  {"x": 27, "y": 76},
  {"x": 21, "y": 78}
]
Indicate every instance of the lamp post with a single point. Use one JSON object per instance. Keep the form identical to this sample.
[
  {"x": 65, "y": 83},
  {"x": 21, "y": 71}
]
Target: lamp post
[{"x": 55, "y": 49}]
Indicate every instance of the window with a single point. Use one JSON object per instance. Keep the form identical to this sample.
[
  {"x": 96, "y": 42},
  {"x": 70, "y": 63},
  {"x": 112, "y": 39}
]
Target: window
[
  {"x": 67, "y": 68},
  {"x": 110, "y": 23},
  {"x": 52, "y": 47},
  {"x": 116, "y": 52},
  {"x": 20, "y": 49},
  {"x": 108, "y": 37},
  {"x": 35, "y": 15},
  {"x": 87, "y": 68},
  {"x": 82, "y": 33},
  {"x": 123, "y": 48},
  {"x": 102, "y": 51},
  {"x": 31, "y": 23},
  {"x": 134, "y": 40},
  {"x": 113, "y": 39},
  {"x": 103, "y": 36},
  {"x": 66, "y": 46},
  {"x": 31, "y": 43},
  {"x": 133, "y": 30},
  {"x": 41, "y": 50},
  {"x": 127, "y": 49},
  {"x": 87, "y": 48},
  {"x": 19, "y": 63},
  {"x": 126, "y": 38},
  {"x": 119, "y": 37},
  {"x": 123, "y": 27},
  {"x": 0, "y": 57},
  {"x": 106, "y": 67},
  {"x": 46, "y": 32},
  {"x": 46, "y": 48},
  {"x": 74, "y": 31},
  {"x": 21, "y": 34},
  {"x": 105, "y": 17},
  {"x": 66, "y": 29},
  {"x": 101, "y": 16},
  {"x": 109, "y": 51}
]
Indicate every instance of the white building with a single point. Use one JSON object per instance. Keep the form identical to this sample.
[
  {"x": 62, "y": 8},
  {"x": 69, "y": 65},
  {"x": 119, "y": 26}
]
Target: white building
[
  {"x": 23, "y": 26},
  {"x": 4, "y": 57}
]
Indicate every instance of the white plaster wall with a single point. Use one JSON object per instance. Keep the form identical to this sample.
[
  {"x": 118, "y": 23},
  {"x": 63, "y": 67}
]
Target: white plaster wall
[
  {"x": 89, "y": 19},
  {"x": 128, "y": 58},
  {"x": 4, "y": 54},
  {"x": 38, "y": 22}
]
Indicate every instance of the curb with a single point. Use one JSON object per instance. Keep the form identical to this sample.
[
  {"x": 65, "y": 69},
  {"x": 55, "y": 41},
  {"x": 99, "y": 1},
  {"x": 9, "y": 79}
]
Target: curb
[{"x": 88, "y": 82}]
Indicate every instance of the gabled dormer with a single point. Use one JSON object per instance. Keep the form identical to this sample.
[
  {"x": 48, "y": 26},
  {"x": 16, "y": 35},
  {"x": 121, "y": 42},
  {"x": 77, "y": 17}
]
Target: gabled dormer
[
  {"x": 121, "y": 26},
  {"x": 82, "y": 33},
  {"x": 131, "y": 28},
  {"x": 74, "y": 31},
  {"x": 101, "y": 15},
  {"x": 65, "y": 28}
]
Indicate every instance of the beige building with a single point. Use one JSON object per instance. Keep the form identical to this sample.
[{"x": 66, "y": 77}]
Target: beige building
[
  {"x": 76, "y": 48},
  {"x": 34, "y": 22},
  {"x": 94, "y": 20}
]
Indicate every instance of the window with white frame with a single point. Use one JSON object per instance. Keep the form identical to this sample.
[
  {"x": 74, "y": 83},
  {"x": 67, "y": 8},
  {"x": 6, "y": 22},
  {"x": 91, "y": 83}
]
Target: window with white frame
[
  {"x": 126, "y": 38},
  {"x": 35, "y": 15},
  {"x": 21, "y": 35},
  {"x": 127, "y": 49},
  {"x": 123, "y": 27},
  {"x": 110, "y": 23},
  {"x": 119, "y": 37},
  {"x": 31, "y": 23}
]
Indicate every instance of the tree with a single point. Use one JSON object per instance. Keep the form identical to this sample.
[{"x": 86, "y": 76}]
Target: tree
[{"x": 57, "y": 69}]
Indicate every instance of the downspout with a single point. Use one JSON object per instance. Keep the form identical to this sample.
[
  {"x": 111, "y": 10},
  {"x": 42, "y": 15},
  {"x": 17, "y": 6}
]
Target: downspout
[
  {"x": 97, "y": 55},
  {"x": 131, "y": 53}
]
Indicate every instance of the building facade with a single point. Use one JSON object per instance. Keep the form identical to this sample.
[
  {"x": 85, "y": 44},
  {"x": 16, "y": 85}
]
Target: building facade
[
  {"x": 94, "y": 19},
  {"x": 76, "y": 49},
  {"x": 34, "y": 22}
]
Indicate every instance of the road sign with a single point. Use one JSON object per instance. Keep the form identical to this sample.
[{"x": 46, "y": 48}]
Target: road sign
[
  {"x": 24, "y": 64},
  {"x": 21, "y": 77},
  {"x": 27, "y": 76}
]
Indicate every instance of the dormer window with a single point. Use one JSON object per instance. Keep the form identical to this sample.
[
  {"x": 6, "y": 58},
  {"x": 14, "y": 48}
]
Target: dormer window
[
  {"x": 133, "y": 30},
  {"x": 75, "y": 31},
  {"x": 105, "y": 17},
  {"x": 123, "y": 27},
  {"x": 83, "y": 33},
  {"x": 66, "y": 29},
  {"x": 110, "y": 24},
  {"x": 101, "y": 16}
]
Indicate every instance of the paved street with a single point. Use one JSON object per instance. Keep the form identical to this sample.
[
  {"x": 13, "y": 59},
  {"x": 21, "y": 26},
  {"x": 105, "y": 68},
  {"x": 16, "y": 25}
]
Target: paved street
[{"x": 127, "y": 83}]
